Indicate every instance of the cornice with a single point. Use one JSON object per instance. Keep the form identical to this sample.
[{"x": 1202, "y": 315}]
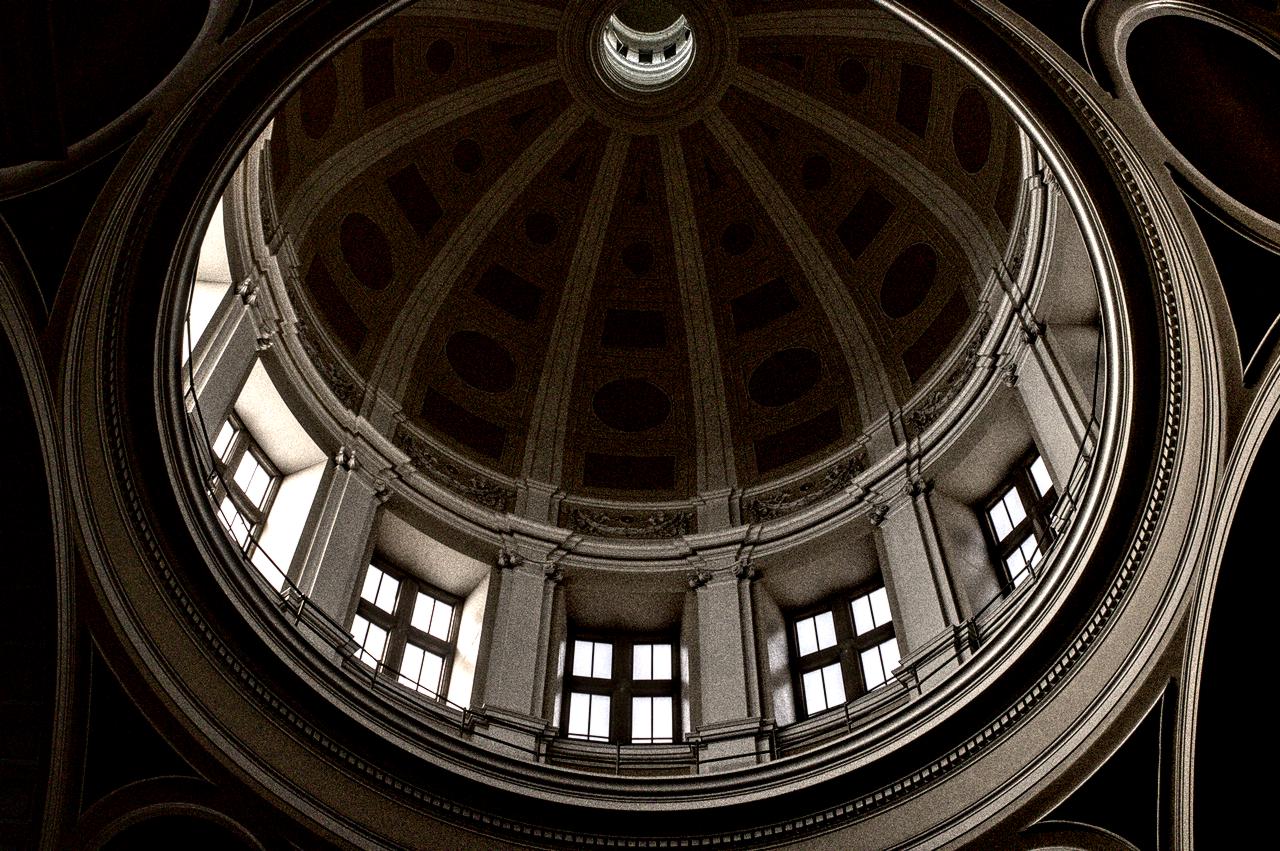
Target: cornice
[{"x": 177, "y": 640}]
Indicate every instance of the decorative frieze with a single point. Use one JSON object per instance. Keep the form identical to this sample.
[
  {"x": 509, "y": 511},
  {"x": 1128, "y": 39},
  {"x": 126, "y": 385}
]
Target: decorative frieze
[
  {"x": 349, "y": 391},
  {"x": 627, "y": 523},
  {"x": 465, "y": 483},
  {"x": 814, "y": 489},
  {"x": 929, "y": 408}
]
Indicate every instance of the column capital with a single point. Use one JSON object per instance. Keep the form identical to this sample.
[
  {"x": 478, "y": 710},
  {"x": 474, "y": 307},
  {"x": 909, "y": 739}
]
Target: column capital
[
  {"x": 345, "y": 458},
  {"x": 509, "y": 559}
]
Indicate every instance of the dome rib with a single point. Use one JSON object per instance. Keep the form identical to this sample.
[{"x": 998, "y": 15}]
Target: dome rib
[
  {"x": 715, "y": 474},
  {"x": 346, "y": 164},
  {"x": 926, "y": 186},
  {"x": 544, "y": 450},
  {"x": 408, "y": 334},
  {"x": 873, "y": 389}
]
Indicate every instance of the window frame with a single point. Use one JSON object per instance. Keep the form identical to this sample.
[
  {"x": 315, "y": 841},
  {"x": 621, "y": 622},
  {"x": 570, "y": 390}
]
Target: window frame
[
  {"x": 1037, "y": 522},
  {"x": 225, "y": 485},
  {"x": 847, "y": 651},
  {"x": 400, "y": 629},
  {"x": 622, "y": 686}
]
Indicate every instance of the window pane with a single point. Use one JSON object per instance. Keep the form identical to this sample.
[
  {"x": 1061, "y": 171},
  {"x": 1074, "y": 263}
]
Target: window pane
[
  {"x": 890, "y": 656},
  {"x": 862, "y": 619},
  {"x": 579, "y": 712},
  {"x": 826, "y": 626},
  {"x": 1000, "y": 520},
  {"x": 806, "y": 636},
  {"x": 662, "y": 661},
  {"x": 880, "y": 607},
  {"x": 422, "y": 607},
  {"x": 222, "y": 442},
  {"x": 1031, "y": 551},
  {"x": 834, "y": 682},
  {"x": 1040, "y": 475},
  {"x": 872, "y": 668},
  {"x": 582, "y": 658},
  {"x": 432, "y": 667},
  {"x": 662, "y": 719},
  {"x": 641, "y": 719},
  {"x": 372, "y": 577},
  {"x": 411, "y": 664},
  {"x": 387, "y": 590},
  {"x": 642, "y": 662},
  {"x": 814, "y": 696},
  {"x": 245, "y": 470},
  {"x": 1013, "y": 502},
  {"x": 602, "y": 661},
  {"x": 441, "y": 619},
  {"x": 256, "y": 490},
  {"x": 371, "y": 638},
  {"x": 600, "y": 716}
]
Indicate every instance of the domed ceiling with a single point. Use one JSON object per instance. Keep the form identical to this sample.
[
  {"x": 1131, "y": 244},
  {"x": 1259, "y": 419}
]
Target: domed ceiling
[{"x": 643, "y": 295}]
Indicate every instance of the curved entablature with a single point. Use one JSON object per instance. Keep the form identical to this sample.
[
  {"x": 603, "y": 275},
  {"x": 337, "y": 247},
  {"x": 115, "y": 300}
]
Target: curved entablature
[
  {"x": 646, "y": 60},
  {"x": 902, "y": 562},
  {"x": 989, "y": 557}
]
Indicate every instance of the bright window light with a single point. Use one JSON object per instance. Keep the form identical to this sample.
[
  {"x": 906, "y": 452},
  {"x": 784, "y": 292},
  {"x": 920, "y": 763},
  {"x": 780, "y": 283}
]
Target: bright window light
[
  {"x": 823, "y": 688},
  {"x": 870, "y": 611},
  {"x": 816, "y": 633},
  {"x": 1040, "y": 476},
  {"x": 589, "y": 716},
  {"x": 380, "y": 589},
  {"x": 432, "y": 616}
]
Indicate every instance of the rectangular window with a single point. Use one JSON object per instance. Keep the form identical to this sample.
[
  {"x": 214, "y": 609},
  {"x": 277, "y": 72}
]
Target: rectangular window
[
  {"x": 1017, "y": 516},
  {"x": 244, "y": 486},
  {"x": 405, "y": 629},
  {"x": 589, "y": 716},
  {"x": 622, "y": 690},
  {"x": 843, "y": 650}
]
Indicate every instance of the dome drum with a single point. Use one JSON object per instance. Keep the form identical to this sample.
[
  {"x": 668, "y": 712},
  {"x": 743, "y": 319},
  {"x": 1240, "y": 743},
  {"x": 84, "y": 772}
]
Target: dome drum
[{"x": 889, "y": 529}]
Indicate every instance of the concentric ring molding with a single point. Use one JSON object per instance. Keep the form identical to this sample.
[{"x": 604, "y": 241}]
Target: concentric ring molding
[{"x": 206, "y": 660}]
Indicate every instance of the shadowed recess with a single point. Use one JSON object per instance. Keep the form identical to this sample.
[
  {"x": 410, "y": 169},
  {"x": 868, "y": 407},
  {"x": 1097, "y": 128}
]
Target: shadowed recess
[
  {"x": 908, "y": 280},
  {"x": 366, "y": 250},
  {"x": 540, "y": 228},
  {"x": 971, "y": 130},
  {"x": 377, "y": 70},
  {"x": 334, "y": 306},
  {"x": 1175, "y": 59},
  {"x": 864, "y": 222},
  {"x": 506, "y": 290},
  {"x": 815, "y": 172},
  {"x": 915, "y": 89},
  {"x": 629, "y": 472},
  {"x": 921, "y": 355},
  {"x": 764, "y": 304},
  {"x": 106, "y": 57},
  {"x": 852, "y": 76},
  {"x": 481, "y": 361},
  {"x": 737, "y": 238},
  {"x": 792, "y": 444},
  {"x": 440, "y": 56},
  {"x": 415, "y": 199},
  {"x": 784, "y": 377},
  {"x": 638, "y": 257},
  {"x": 467, "y": 156},
  {"x": 634, "y": 329},
  {"x": 318, "y": 100},
  {"x": 631, "y": 404},
  {"x": 463, "y": 426}
]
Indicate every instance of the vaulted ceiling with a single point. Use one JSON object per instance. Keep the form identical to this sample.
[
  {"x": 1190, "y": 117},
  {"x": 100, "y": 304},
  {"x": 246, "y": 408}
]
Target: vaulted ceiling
[{"x": 756, "y": 273}]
